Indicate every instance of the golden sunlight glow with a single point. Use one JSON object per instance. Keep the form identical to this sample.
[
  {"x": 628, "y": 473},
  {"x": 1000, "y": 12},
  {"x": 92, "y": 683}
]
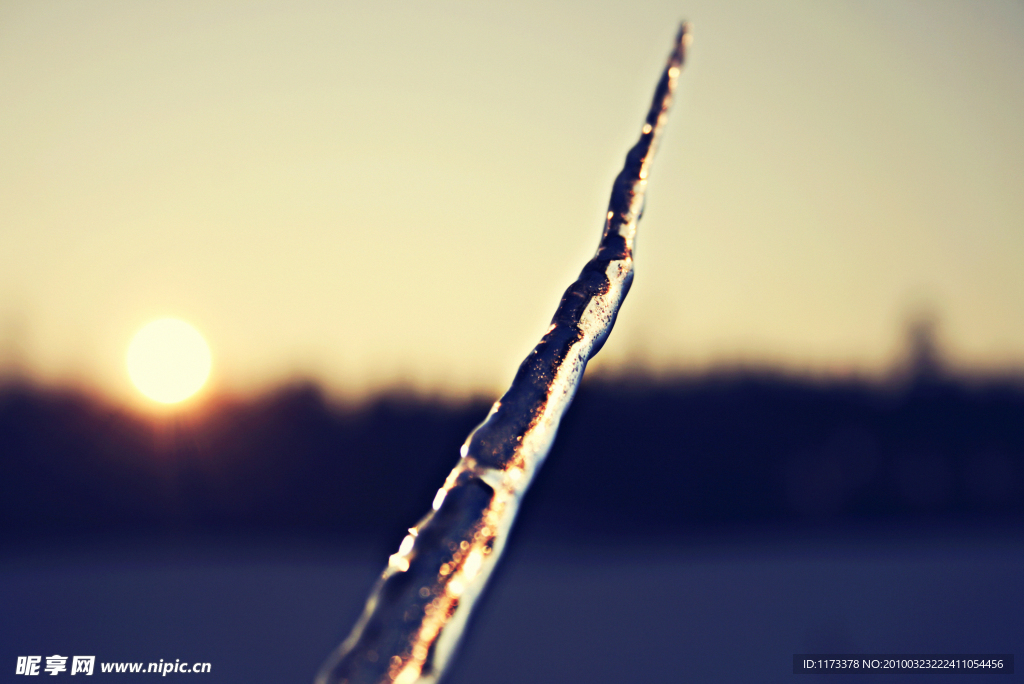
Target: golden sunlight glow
[{"x": 168, "y": 360}]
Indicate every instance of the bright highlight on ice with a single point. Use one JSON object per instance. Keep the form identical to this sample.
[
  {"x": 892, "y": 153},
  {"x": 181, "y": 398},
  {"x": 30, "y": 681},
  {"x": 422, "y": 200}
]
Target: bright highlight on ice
[{"x": 168, "y": 360}]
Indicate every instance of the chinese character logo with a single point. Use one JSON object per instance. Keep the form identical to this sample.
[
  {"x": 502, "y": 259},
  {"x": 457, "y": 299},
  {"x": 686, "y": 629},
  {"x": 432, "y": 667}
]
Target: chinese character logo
[
  {"x": 82, "y": 664},
  {"x": 28, "y": 665},
  {"x": 55, "y": 664}
]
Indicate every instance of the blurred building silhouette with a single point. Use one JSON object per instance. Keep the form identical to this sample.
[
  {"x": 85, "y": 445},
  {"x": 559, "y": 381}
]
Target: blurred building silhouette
[{"x": 924, "y": 361}]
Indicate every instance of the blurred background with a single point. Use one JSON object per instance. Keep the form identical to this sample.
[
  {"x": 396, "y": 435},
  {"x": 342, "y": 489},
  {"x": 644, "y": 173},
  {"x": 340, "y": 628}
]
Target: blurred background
[{"x": 806, "y": 433}]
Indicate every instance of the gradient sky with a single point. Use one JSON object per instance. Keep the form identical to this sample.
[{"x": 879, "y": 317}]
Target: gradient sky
[{"x": 374, "y": 193}]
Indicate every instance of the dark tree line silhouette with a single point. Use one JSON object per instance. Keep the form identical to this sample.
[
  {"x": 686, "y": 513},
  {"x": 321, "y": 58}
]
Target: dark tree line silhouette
[{"x": 634, "y": 458}]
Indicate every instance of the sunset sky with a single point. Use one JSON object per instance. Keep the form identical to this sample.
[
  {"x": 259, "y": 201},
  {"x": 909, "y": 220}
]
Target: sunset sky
[{"x": 378, "y": 193}]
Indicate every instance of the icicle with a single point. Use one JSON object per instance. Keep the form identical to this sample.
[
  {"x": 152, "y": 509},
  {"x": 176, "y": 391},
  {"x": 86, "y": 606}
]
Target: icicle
[{"x": 416, "y": 613}]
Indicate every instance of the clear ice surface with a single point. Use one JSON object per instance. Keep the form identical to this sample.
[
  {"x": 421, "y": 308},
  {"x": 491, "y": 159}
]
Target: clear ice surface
[{"x": 415, "y": 614}]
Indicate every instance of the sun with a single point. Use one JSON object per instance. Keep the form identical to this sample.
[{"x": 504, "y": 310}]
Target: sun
[{"x": 168, "y": 360}]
